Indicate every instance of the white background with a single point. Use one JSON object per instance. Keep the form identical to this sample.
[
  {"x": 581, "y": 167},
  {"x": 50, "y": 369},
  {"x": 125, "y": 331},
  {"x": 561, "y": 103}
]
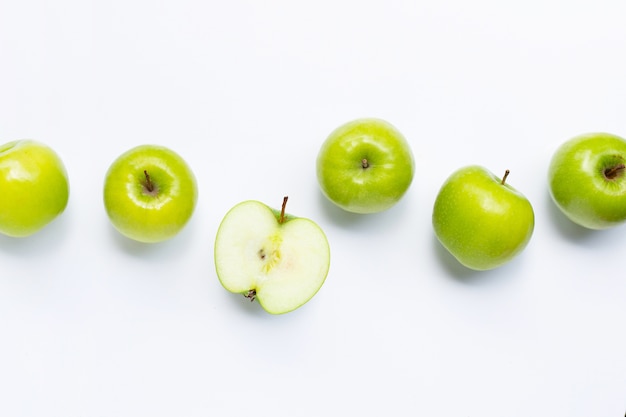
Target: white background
[{"x": 92, "y": 324}]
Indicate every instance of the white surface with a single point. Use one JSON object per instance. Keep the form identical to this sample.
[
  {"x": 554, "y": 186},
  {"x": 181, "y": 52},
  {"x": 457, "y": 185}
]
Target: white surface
[{"x": 95, "y": 325}]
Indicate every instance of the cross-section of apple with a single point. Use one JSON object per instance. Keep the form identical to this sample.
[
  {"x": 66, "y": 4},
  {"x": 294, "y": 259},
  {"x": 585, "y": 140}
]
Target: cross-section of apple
[{"x": 279, "y": 260}]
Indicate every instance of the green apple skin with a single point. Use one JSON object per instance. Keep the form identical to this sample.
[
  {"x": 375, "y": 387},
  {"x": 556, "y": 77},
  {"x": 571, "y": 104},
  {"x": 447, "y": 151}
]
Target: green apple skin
[
  {"x": 34, "y": 187},
  {"x": 587, "y": 180},
  {"x": 280, "y": 260},
  {"x": 480, "y": 219},
  {"x": 150, "y": 193},
  {"x": 365, "y": 166}
]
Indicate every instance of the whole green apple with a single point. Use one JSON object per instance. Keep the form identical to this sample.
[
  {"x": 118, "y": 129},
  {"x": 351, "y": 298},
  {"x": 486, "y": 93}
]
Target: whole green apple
[
  {"x": 34, "y": 187},
  {"x": 150, "y": 193},
  {"x": 265, "y": 254},
  {"x": 587, "y": 180},
  {"x": 480, "y": 219},
  {"x": 365, "y": 166}
]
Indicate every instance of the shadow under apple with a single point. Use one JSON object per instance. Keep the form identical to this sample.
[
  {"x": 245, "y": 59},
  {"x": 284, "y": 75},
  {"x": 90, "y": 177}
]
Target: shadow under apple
[
  {"x": 575, "y": 233},
  {"x": 255, "y": 310},
  {"x": 354, "y": 221},
  {"x": 460, "y": 273},
  {"x": 43, "y": 242},
  {"x": 173, "y": 247},
  {"x": 248, "y": 307}
]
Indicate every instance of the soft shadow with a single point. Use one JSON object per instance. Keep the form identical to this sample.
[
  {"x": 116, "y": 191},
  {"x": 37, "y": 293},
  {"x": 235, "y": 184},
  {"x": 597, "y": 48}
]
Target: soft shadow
[
  {"x": 566, "y": 228},
  {"x": 573, "y": 232},
  {"x": 255, "y": 310},
  {"x": 170, "y": 248},
  {"x": 339, "y": 216},
  {"x": 460, "y": 273},
  {"x": 352, "y": 221},
  {"x": 246, "y": 306},
  {"x": 43, "y": 242}
]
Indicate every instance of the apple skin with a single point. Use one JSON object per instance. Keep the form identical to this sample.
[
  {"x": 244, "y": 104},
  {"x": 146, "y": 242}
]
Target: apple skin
[
  {"x": 578, "y": 182},
  {"x": 34, "y": 187},
  {"x": 482, "y": 222},
  {"x": 144, "y": 215},
  {"x": 345, "y": 181},
  {"x": 270, "y": 256}
]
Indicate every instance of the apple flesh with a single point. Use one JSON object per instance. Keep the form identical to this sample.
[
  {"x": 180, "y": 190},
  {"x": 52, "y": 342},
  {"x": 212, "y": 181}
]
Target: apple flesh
[
  {"x": 34, "y": 187},
  {"x": 150, "y": 193},
  {"x": 587, "y": 180},
  {"x": 365, "y": 166},
  {"x": 264, "y": 254},
  {"x": 480, "y": 219}
]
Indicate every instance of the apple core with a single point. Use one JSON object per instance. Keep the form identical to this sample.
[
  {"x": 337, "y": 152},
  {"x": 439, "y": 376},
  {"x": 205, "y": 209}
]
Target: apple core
[{"x": 279, "y": 260}]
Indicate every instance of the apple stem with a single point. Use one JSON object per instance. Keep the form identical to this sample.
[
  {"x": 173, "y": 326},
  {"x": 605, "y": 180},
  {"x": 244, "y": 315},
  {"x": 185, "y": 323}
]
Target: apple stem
[
  {"x": 613, "y": 172},
  {"x": 282, "y": 210},
  {"x": 506, "y": 174},
  {"x": 149, "y": 185},
  {"x": 251, "y": 295},
  {"x": 365, "y": 164}
]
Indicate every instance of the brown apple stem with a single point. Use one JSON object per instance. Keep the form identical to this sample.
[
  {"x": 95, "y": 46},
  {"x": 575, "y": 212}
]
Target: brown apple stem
[
  {"x": 149, "y": 185},
  {"x": 365, "y": 164},
  {"x": 613, "y": 172},
  {"x": 282, "y": 210},
  {"x": 250, "y": 295},
  {"x": 506, "y": 174}
]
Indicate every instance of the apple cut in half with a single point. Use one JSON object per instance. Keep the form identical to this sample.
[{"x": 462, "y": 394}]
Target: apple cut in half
[{"x": 278, "y": 259}]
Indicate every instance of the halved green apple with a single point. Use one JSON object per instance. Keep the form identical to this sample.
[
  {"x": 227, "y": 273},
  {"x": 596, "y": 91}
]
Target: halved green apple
[{"x": 280, "y": 260}]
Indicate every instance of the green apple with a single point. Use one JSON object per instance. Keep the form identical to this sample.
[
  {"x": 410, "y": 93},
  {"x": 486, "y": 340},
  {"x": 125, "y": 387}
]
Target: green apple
[
  {"x": 587, "y": 180},
  {"x": 264, "y": 254},
  {"x": 34, "y": 187},
  {"x": 365, "y": 166},
  {"x": 150, "y": 193},
  {"x": 480, "y": 219}
]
